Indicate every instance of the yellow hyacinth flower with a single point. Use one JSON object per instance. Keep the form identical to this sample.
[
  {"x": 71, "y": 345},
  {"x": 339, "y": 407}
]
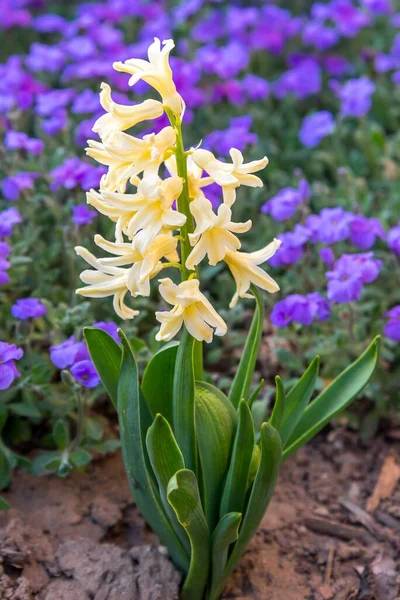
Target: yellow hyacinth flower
[
  {"x": 196, "y": 181},
  {"x": 156, "y": 72},
  {"x": 127, "y": 156},
  {"x": 104, "y": 281},
  {"x": 191, "y": 308},
  {"x": 120, "y": 117},
  {"x": 245, "y": 270},
  {"x": 214, "y": 233},
  {"x": 230, "y": 175}
]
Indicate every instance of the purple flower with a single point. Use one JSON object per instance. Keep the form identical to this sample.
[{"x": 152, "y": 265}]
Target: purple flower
[
  {"x": 8, "y": 370},
  {"x": 284, "y": 204},
  {"x": 337, "y": 66},
  {"x": 17, "y": 140},
  {"x": 364, "y": 231},
  {"x": 255, "y": 87},
  {"x": 85, "y": 372},
  {"x": 350, "y": 273},
  {"x": 43, "y": 57},
  {"x": 51, "y": 101},
  {"x": 8, "y": 218},
  {"x": 392, "y": 327},
  {"x": 56, "y": 122},
  {"x": 75, "y": 172},
  {"x": 348, "y": 19},
  {"x": 67, "y": 353},
  {"x": 28, "y": 308},
  {"x": 355, "y": 95},
  {"x": 4, "y": 263},
  {"x": 300, "y": 309},
  {"x": 237, "y": 135},
  {"x": 86, "y": 102},
  {"x": 315, "y": 127},
  {"x": 82, "y": 215},
  {"x": 291, "y": 250},
  {"x": 301, "y": 81},
  {"x": 327, "y": 256},
  {"x": 379, "y": 7},
  {"x": 393, "y": 239},
  {"x": 330, "y": 226},
  {"x": 14, "y": 185},
  {"x": 110, "y": 328},
  {"x": 49, "y": 24},
  {"x": 318, "y": 35}
]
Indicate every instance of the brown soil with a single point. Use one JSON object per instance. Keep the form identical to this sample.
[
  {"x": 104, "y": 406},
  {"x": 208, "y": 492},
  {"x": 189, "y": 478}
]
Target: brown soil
[{"x": 83, "y": 539}]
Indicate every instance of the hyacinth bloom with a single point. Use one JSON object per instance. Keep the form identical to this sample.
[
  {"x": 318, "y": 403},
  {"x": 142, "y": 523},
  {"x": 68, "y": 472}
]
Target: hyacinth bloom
[
  {"x": 162, "y": 215},
  {"x": 315, "y": 127},
  {"x": 28, "y": 308},
  {"x": 296, "y": 308},
  {"x": 9, "y": 353},
  {"x": 392, "y": 327},
  {"x": 191, "y": 308}
]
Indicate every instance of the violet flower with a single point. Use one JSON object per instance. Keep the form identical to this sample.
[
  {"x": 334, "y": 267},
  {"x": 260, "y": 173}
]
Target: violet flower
[
  {"x": 393, "y": 239},
  {"x": 315, "y": 127},
  {"x": 15, "y": 184},
  {"x": 9, "y": 353},
  {"x": 28, "y": 308},
  {"x": 300, "y": 309},
  {"x": 392, "y": 327},
  {"x": 356, "y": 97},
  {"x": 8, "y": 218},
  {"x": 284, "y": 204},
  {"x": 82, "y": 215},
  {"x": 364, "y": 231}
]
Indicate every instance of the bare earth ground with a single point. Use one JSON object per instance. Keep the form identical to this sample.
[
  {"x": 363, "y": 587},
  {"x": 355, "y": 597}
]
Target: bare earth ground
[{"x": 332, "y": 532}]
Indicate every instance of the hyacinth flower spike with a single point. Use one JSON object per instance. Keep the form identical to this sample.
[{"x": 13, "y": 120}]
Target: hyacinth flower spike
[{"x": 199, "y": 472}]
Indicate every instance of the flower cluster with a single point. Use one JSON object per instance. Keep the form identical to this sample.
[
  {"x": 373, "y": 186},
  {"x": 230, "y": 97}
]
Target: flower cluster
[
  {"x": 154, "y": 216},
  {"x": 75, "y": 355}
]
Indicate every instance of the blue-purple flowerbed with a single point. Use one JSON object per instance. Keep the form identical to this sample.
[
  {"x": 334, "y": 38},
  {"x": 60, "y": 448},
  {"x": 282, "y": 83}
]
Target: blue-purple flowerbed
[{"x": 315, "y": 87}]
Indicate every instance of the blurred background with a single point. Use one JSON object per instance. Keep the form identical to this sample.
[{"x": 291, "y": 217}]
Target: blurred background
[{"x": 314, "y": 86}]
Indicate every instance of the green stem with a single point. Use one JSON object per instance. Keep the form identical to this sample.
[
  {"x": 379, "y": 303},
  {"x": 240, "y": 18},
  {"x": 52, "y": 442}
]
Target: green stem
[{"x": 188, "y": 227}]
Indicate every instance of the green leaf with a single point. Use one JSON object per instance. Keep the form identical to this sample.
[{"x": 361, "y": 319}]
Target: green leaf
[
  {"x": 5, "y": 469},
  {"x": 216, "y": 422},
  {"x": 255, "y": 393},
  {"x": 94, "y": 429},
  {"x": 261, "y": 493},
  {"x": 45, "y": 463},
  {"x": 166, "y": 459},
  {"x": 137, "y": 465},
  {"x": 184, "y": 497},
  {"x": 25, "y": 409},
  {"x": 279, "y": 406},
  {"x": 80, "y": 458},
  {"x": 106, "y": 355},
  {"x": 183, "y": 401},
  {"x": 297, "y": 399},
  {"x": 242, "y": 380},
  {"x": 234, "y": 495},
  {"x": 225, "y": 534},
  {"x": 158, "y": 381},
  {"x": 4, "y": 505},
  {"x": 61, "y": 434},
  {"x": 336, "y": 397}
]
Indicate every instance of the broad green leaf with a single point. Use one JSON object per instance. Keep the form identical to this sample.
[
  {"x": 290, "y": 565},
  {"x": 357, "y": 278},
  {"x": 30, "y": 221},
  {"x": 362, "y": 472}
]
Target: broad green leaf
[
  {"x": 137, "y": 465},
  {"x": 184, "y": 497},
  {"x": 234, "y": 495},
  {"x": 183, "y": 402},
  {"x": 279, "y": 406},
  {"x": 45, "y": 463},
  {"x": 61, "y": 434},
  {"x": 158, "y": 381},
  {"x": 297, "y": 399},
  {"x": 4, "y": 504},
  {"x": 225, "y": 534},
  {"x": 166, "y": 459},
  {"x": 336, "y": 397},
  {"x": 216, "y": 421},
  {"x": 241, "y": 382},
  {"x": 261, "y": 493},
  {"x": 106, "y": 355},
  {"x": 25, "y": 409}
]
